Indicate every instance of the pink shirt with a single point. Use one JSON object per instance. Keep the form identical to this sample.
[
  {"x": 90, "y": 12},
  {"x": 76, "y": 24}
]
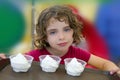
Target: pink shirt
[{"x": 72, "y": 52}]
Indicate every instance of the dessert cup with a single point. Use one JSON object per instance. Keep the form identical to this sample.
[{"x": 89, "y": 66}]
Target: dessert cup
[
  {"x": 76, "y": 68},
  {"x": 21, "y": 66},
  {"x": 49, "y": 63}
]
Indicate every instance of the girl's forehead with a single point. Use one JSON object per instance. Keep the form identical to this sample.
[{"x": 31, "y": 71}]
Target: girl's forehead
[
  {"x": 53, "y": 20},
  {"x": 54, "y": 23}
]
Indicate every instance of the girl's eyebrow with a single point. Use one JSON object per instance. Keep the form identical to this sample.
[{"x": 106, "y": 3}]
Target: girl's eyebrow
[
  {"x": 49, "y": 30},
  {"x": 52, "y": 29},
  {"x": 66, "y": 26}
]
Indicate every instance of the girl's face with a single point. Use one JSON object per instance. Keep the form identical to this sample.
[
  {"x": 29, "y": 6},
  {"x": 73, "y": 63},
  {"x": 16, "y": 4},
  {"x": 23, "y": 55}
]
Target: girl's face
[{"x": 59, "y": 35}]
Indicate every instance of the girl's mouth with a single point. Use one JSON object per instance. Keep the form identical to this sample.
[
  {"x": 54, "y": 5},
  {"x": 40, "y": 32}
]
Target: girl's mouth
[{"x": 62, "y": 44}]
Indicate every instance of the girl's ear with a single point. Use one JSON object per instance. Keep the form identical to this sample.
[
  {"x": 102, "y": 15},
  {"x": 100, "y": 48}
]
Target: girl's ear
[{"x": 46, "y": 40}]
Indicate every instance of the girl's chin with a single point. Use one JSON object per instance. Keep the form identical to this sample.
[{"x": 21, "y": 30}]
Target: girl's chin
[{"x": 63, "y": 49}]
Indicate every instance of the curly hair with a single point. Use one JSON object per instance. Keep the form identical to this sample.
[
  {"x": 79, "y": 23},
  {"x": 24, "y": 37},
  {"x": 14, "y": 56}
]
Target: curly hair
[{"x": 61, "y": 13}]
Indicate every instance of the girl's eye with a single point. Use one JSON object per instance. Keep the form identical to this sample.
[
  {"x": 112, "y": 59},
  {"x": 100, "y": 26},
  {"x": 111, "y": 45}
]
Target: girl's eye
[
  {"x": 67, "y": 29},
  {"x": 53, "y": 32}
]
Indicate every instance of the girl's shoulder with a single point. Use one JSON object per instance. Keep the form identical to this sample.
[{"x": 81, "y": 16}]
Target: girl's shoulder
[
  {"x": 78, "y": 49},
  {"x": 79, "y": 53},
  {"x": 36, "y": 51}
]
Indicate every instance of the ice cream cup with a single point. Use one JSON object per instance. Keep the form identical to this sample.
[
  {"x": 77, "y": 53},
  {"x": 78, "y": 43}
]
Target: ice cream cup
[
  {"x": 23, "y": 66},
  {"x": 73, "y": 70},
  {"x": 49, "y": 65}
]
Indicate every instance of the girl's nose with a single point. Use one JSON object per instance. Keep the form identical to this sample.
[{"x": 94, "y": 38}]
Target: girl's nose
[{"x": 61, "y": 36}]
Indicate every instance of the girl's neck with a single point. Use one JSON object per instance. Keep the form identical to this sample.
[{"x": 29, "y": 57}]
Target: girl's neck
[{"x": 56, "y": 52}]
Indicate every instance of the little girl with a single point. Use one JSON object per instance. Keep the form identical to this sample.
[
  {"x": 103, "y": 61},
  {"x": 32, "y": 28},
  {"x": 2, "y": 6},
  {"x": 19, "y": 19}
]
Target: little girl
[{"x": 57, "y": 29}]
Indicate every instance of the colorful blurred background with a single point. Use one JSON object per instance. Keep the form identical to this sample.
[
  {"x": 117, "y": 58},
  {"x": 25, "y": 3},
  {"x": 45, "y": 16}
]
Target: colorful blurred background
[
  {"x": 15, "y": 26},
  {"x": 100, "y": 17}
]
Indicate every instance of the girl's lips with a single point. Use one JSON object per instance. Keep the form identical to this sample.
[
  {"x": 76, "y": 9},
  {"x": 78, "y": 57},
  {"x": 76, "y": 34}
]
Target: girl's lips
[{"x": 62, "y": 44}]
